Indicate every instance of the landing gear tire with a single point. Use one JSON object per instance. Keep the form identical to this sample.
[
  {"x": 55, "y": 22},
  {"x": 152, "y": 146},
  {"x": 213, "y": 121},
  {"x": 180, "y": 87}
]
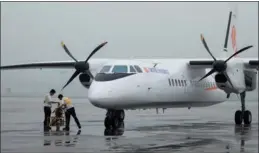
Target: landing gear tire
[
  {"x": 122, "y": 125},
  {"x": 120, "y": 114},
  {"x": 107, "y": 122},
  {"x": 238, "y": 117},
  {"x": 247, "y": 117},
  {"x": 114, "y": 119},
  {"x": 115, "y": 123}
]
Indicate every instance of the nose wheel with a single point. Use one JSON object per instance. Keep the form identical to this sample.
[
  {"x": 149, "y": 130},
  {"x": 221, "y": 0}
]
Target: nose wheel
[
  {"x": 114, "y": 119},
  {"x": 243, "y": 115}
]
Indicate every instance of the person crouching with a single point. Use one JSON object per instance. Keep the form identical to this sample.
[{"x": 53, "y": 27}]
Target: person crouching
[{"x": 69, "y": 110}]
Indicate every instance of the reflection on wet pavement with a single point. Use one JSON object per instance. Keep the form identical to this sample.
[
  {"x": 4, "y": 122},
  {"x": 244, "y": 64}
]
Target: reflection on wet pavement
[
  {"x": 68, "y": 141},
  {"x": 173, "y": 131}
]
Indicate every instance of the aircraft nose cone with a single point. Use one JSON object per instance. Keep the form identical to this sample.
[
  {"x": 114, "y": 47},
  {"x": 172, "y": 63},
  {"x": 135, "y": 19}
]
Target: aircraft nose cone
[{"x": 98, "y": 97}]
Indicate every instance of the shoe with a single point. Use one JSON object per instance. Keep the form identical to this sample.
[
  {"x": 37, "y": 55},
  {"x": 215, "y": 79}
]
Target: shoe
[
  {"x": 65, "y": 129},
  {"x": 47, "y": 128}
]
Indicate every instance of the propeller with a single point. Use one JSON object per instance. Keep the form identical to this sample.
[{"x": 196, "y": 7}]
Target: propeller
[
  {"x": 220, "y": 66},
  {"x": 81, "y": 66}
]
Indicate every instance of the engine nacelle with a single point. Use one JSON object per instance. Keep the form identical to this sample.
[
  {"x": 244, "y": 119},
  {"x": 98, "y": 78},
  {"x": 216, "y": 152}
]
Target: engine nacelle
[
  {"x": 85, "y": 80},
  {"x": 223, "y": 83},
  {"x": 250, "y": 80}
]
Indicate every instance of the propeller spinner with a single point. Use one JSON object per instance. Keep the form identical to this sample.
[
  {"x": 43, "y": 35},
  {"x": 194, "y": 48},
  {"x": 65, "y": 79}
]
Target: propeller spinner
[{"x": 81, "y": 66}]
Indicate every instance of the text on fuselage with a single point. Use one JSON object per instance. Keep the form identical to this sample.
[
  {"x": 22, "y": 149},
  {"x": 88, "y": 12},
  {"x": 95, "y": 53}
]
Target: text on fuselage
[{"x": 156, "y": 70}]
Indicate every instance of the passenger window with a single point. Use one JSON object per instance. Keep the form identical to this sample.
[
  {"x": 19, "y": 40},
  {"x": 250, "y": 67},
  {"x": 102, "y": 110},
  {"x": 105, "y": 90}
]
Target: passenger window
[
  {"x": 138, "y": 68},
  {"x": 185, "y": 83},
  {"x": 179, "y": 82},
  {"x": 172, "y": 82},
  {"x": 176, "y": 83},
  {"x": 105, "y": 69},
  {"x": 132, "y": 70},
  {"x": 182, "y": 82},
  {"x": 169, "y": 82},
  {"x": 120, "y": 69}
]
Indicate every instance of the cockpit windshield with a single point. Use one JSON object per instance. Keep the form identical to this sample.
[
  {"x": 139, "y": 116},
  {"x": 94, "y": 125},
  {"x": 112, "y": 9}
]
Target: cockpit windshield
[
  {"x": 120, "y": 69},
  {"x": 132, "y": 69},
  {"x": 112, "y": 72},
  {"x": 106, "y": 69}
]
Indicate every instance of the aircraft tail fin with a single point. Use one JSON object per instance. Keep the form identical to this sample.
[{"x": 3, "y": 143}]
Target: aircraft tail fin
[{"x": 230, "y": 45}]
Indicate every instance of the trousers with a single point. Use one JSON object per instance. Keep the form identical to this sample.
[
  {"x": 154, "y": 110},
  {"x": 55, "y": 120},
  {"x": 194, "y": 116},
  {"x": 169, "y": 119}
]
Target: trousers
[
  {"x": 47, "y": 114},
  {"x": 71, "y": 112}
]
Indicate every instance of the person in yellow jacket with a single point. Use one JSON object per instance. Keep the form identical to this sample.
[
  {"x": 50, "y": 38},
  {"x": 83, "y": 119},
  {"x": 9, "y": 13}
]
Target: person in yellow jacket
[{"x": 69, "y": 110}]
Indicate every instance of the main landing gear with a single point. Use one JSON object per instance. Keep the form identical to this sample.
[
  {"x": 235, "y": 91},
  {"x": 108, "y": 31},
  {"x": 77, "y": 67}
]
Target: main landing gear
[
  {"x": 243, "y": 114},
  {"x": 114, "y": 120}
]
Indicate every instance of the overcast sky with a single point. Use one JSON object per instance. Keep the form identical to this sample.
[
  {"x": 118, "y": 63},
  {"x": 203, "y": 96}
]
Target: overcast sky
[{"x": 32, "y": 31}]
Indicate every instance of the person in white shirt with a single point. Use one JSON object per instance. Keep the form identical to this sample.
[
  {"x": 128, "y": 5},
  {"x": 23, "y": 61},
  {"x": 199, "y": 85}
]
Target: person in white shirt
[
  {"x": 47, "y": 108},
  {"x": 69, "y": 110}
]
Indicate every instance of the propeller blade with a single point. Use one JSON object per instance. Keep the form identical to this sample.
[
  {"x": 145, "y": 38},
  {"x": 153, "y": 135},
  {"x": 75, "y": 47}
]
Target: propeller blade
[
  {"x": 209, "y": 73},
  {"x": 71, "y": 78},
  {"x": 90, "y": 74},
  {"x": 95, "y": 50},
  {"x": 228, "y": 79},
  {"x": 241, "y": 50},
  {"x": 206, "y": 46},
  {"x": 67, "y": 51},
  {"x": 227, "y": 33},
  {"x": 228, "y": 95}
]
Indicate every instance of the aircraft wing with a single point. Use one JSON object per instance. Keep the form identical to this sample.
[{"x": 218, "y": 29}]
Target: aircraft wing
[
  {"x": 40, "y": 65},
  {"x": 249, "y": 63}
]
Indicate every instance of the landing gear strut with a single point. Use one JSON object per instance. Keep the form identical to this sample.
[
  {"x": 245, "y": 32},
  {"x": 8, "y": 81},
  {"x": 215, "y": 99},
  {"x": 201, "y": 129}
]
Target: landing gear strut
[
  {"x": 243, "y": 114},
  {"x": 114, "y": 119}
]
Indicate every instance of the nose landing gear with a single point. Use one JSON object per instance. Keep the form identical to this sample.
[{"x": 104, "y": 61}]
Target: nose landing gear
[{"x": 114, "y": 119}]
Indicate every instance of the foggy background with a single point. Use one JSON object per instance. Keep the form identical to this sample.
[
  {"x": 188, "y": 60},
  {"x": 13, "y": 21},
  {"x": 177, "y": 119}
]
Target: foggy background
[{"x": 32, "y": 32}]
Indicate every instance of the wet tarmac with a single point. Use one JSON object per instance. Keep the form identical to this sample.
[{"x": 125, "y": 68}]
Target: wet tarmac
[{"x": 208, "y": 129}]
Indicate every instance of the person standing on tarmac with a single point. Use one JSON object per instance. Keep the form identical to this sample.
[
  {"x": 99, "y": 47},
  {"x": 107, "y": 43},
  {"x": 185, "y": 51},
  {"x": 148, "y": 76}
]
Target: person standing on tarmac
[
  {"x": 69, "y": 110},
  {"x": 47, "y": 108}
]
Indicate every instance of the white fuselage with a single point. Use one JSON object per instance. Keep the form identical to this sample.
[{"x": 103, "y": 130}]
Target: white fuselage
[{"x": 157, "y": 90}]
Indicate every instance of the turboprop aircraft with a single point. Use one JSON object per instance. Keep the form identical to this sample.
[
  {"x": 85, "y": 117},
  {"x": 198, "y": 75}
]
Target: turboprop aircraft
[{"x": 121, "y": 84}]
